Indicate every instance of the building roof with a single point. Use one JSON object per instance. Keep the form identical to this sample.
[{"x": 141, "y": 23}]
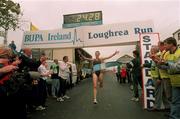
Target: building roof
[
  {"x": 86, "y": 54},
  {"x": 125, "y": 59},
  {"x": 176, "y": 31}
]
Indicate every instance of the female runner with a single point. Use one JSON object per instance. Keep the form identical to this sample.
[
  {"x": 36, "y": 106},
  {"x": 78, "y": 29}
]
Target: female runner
[{"x": 97, "y": 75}]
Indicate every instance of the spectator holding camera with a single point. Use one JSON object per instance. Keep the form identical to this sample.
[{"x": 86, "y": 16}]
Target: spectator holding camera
[
  {"x": 164, "y": 80},
  {"x": 12, "y": 104},
  {"x": 155, "y": 76}
]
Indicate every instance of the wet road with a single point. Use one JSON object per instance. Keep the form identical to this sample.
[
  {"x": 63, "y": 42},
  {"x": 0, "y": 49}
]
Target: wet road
[{"x": 113, "y": 103}]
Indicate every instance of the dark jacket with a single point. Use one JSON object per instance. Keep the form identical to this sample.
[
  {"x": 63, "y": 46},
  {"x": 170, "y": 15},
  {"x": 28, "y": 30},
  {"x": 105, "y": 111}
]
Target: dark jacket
[
  {"x": 136, "y": 66},
  {"x": 28, "y": 63}
]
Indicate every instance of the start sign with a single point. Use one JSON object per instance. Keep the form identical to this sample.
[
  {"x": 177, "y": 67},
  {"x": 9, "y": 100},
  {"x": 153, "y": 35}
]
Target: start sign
[{"x": 146, "y": 41}]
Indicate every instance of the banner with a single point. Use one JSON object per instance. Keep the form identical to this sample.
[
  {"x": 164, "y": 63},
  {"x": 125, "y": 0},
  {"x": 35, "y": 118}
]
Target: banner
[
  {"x": 146, "y": 41},
  {"x": 115, "y": 34},
  {"x": 88, "y": 36},
  {"x": 61, "y": 38}
]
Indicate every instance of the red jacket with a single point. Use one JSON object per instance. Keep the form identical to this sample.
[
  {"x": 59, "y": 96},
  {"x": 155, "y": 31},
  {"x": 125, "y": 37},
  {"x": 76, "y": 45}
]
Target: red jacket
[{"x": 123, "y": 73}]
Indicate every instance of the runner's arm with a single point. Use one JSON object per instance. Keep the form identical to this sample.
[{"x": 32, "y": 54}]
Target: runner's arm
[{"x": 110, "y": 56}]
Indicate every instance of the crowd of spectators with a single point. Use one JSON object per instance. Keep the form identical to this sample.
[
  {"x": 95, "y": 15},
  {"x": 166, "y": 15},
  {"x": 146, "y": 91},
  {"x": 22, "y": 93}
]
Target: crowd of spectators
[
  {"x": 23, "y": 82},
  {"x": 165, "y": 72}
]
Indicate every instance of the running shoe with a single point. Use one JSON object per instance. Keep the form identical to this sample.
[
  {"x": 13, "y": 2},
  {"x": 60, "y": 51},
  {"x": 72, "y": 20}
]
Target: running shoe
[
  {"x": 95, "y": 101},
  {"x": 39, "y": 108},
  {"x": 66, "y": 97},
  {"x": 60, "y": 99}
]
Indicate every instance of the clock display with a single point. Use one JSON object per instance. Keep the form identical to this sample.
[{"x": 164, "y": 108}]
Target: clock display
[{"x": 83, "y": 17}]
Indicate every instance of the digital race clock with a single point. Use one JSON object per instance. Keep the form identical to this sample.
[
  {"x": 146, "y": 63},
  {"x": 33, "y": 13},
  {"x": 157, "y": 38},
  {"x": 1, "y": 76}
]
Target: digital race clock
[{"x": 82, "y": 19}]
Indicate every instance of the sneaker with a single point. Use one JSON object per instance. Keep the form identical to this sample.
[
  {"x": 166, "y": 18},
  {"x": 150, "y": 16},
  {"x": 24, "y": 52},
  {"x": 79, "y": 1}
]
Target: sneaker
[
  {"x": 54, "y": 97},
  {"x": 39, "y": 108},
  {"x": 153, "y": 109},
  {"x": 95, "y": 101},
  {"x": 133, "y": 99},
  {"x": 60, "y": 99},
  {"x": 136, "y": 100},
  {"x": 66, "y": 97}
]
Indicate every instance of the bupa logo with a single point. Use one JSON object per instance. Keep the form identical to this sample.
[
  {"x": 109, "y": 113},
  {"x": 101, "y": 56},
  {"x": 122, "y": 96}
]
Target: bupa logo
[{"x": 33, "y": 38}]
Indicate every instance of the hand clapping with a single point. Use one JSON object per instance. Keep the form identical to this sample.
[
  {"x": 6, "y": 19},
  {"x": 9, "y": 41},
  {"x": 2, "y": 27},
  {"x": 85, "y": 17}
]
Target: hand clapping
[{"x": 8, "y": 68}]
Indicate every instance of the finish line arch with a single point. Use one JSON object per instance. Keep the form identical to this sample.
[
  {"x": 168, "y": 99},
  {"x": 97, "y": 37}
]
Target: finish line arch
[
  {"x": 88, "y": 36},
  {"x": 96, "y": 36}
]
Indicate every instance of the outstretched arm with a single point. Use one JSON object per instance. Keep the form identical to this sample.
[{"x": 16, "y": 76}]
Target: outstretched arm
[
  {"x": 110, "y": 56},
  {"x": 89, "y": 59}
]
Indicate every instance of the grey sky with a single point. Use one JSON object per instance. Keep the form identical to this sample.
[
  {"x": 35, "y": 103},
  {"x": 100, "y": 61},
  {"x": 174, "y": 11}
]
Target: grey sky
[{"x": 48, "y": 14}]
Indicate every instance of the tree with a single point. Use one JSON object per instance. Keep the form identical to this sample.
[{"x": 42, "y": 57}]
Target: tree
[{"x": 9, "y": 16}]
